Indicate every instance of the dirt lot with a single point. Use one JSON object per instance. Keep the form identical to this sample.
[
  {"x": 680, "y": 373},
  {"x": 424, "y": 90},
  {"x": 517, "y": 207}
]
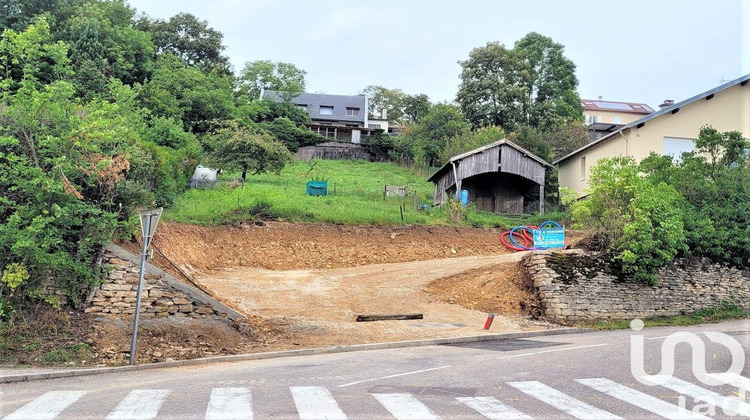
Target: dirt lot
[
  {"x": 311, "y": 281},
  {"x": 303, "y": 286}
]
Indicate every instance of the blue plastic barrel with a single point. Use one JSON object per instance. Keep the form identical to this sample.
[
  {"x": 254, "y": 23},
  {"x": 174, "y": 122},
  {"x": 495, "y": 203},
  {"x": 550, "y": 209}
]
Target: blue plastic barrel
[{"x": 464, "y": 198}]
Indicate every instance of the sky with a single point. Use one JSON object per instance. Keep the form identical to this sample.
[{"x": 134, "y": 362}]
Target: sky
[{"x": 633, "y": 51}]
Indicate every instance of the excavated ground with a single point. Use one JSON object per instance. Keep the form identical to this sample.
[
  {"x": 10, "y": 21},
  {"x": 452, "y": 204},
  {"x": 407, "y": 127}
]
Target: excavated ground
[
  {"x": 307, "y": 283},
  {"x": 303, "y": 285}
]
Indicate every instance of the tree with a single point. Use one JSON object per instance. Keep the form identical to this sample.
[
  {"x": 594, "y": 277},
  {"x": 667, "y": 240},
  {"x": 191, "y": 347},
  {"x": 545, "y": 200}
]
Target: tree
[
  {"x": 494, "y": 87},
  {"x": 415, "y": 107},
  {"x": 533, "y": 84},
  {"x": 553, "y": 99},
  {"x": 247, "y": 151},
  {"x": 190, "y": 39},
  {"x": 381, "y": 99},
  {"x": 182, "y": 92},
  {"x": 264, "y": 74},
  {"x": 441, "y": 123}
]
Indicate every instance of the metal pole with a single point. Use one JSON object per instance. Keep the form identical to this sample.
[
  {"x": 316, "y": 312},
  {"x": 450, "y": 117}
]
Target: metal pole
[{"x": 146, "y": 240}]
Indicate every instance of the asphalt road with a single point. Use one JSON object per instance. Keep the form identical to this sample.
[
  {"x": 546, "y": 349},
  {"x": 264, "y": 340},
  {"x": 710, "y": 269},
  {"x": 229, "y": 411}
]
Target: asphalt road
[{"x": 557, "y": 377}]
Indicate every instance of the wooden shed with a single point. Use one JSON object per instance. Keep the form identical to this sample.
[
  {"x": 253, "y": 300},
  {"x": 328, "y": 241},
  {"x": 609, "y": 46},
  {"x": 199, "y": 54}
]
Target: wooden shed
[{"x": 497, "y": 177}]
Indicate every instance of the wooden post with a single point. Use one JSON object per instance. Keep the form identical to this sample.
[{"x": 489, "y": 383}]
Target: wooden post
[{"x": 541, "y": 199}]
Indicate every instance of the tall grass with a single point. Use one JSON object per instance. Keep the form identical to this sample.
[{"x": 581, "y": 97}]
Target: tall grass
[{"x": 355, "y": 197}]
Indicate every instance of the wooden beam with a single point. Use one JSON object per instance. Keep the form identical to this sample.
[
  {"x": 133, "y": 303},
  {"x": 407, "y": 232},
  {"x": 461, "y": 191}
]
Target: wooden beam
[{"x": 367, "y": 318}]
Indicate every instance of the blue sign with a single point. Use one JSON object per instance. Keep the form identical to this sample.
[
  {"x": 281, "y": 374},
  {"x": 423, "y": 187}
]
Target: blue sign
[{"x": 549, "y": 238}]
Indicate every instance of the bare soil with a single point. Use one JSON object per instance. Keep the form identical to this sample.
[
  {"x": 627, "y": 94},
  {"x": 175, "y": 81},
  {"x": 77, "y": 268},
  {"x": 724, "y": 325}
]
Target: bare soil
[{"x": 303, "y": 286}]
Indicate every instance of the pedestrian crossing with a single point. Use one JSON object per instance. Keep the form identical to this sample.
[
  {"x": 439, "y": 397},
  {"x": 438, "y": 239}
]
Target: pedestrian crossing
[{"x": 317, "y": 402}]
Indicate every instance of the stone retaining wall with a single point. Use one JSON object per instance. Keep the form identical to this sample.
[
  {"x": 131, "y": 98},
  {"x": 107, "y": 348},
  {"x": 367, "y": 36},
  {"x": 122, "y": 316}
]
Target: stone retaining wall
[
  {"x": 591, "y": 294},
  {"x": 162, "y": 295}
]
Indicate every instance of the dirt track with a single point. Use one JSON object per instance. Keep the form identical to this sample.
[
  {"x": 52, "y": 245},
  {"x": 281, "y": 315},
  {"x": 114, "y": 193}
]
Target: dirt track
[{"x": 320, "y": 306}]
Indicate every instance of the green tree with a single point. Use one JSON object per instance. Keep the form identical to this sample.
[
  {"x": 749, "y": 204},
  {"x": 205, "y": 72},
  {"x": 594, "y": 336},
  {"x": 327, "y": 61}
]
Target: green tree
[
  {"x": 190, "y": 39},
  {"x": 247, "y": 151},
  {"x": 182, "y": 92},
  {"x": 531, "y": 84},
  {"x": 381, "y": 99},
  {"x": 264, "y": 74},
  {"x": 430, "y": 135},
  {"x": 553, "y": 99},
  {"x": 415, "y": 107},
  {"x": 494, "y": 87}
]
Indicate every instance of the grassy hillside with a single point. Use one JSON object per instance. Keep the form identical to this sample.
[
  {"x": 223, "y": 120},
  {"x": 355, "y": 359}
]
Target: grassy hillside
[{"x": 355, "y": 197}]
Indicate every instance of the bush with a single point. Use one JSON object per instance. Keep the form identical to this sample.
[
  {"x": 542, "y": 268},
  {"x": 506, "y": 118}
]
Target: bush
[{"x": 642, "y": 219}]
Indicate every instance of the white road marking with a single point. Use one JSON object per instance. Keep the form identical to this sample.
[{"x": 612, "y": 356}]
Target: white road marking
[
  {"x": 316, "y": 403},
  {"x": 48, "y": 406},
  {"x": 493, "y": 409},
  {"x": 230, "y": 404},
  {"x": 733, "y": 379},
  {"x": 553, "y": 350},
  {"x": 561, "y": 401},
  {"x": 394, "y": 376},
  {"x": 730, "y": 404},
  {"x": 639, "y": 399},
  {"x": 405, "y": 407},
  {"x": 140, "y": 404}
]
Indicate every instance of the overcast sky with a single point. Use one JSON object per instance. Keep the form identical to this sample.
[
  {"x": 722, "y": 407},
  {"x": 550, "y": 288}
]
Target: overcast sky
[{"x": 634, "y": 50}]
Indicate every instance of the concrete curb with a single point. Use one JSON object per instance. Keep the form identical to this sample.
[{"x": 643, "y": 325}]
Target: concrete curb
[{"x": 289, "y": 353}]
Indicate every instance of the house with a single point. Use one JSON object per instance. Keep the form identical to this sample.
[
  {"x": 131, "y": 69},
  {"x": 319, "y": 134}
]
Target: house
[
  {"x": 604, "y": 117},
  {"x": 341, "y": 118},
  {"x": 497, "y": 176},
  {"x": 670, "y": 131}
]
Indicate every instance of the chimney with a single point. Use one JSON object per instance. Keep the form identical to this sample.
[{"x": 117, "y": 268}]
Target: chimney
[
  {"x": 384, "y": 114},
  {"x": 666, "y": 103},
  {"x": 600, "y": 98}
]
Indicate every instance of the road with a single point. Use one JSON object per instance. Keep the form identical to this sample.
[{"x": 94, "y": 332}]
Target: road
[{"x": 585, "y": 375}]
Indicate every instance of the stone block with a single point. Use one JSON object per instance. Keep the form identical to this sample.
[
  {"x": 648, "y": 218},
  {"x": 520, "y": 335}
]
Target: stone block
[{"x": 182, "y": 301}]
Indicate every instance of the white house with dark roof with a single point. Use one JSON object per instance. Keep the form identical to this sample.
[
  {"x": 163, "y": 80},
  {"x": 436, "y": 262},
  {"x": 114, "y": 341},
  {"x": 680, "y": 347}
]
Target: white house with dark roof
[
  {"x": 338, "y": 117},
  {"x": 670, "y": 131}
]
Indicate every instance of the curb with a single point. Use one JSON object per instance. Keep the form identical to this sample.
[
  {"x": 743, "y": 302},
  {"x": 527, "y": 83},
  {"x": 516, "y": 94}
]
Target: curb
[{"x": 289, "y": 353}]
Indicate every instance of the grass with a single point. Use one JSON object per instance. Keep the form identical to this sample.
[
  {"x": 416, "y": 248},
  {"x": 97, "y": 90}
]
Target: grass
[
  {"x": 703, "y": 316},
  {"x": 355, "y": 197},
  {"x": 75, "y": 353}
]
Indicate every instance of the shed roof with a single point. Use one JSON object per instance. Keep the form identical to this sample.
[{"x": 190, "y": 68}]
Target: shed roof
[
  {"x": 507, "y": 142},
  {"x": 666, "y": 110}
]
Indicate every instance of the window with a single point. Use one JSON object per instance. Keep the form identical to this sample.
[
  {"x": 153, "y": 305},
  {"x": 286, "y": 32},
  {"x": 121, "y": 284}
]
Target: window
[
  {"x": 675, "y": 147},
  {"x": 302, "y": 107},
  {"x": 326, "y": 110},
  {"x": 373, "y": 125},
  {"x": 352, "y": 112},
  {"x": 583, "y": 167}
]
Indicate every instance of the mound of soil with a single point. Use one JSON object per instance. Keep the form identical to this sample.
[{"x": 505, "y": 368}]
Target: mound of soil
[
  {"x": 290, "y": 246},
  {"x": 498, "y": 289}
]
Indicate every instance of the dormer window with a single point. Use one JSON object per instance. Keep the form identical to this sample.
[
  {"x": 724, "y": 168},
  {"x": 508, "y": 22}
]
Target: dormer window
[
  {"x": 326, "y": 110},
  {"x": 352, "y": 112}
]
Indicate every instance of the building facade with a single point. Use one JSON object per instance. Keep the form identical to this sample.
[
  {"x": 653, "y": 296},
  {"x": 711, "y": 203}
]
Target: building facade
[
  {"x": 342, "y": 118},
  {"x": 670, "y": 131}
]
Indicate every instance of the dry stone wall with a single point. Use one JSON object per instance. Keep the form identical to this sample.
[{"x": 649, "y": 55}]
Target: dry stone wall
[
  {"x": 162, "y": 295},
  {"x": 684, "y": 286}
]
